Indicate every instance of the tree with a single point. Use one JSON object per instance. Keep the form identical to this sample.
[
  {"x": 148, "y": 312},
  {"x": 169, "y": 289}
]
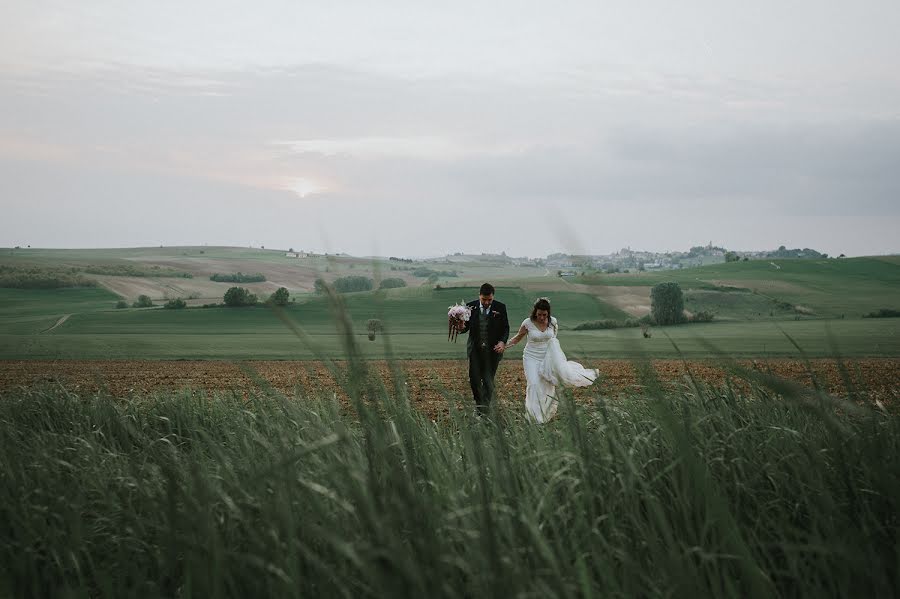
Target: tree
[
  {"x": 353, "y": 283},
  {"x": 121, "y": 304},
  {"x": 143, "y": 301},
  {"x": 667, "y": 303},
  {"x": 281, "y": 297},
  {"x": 392, "y": 283},
  {"x": 319, "y": 286},
  {"x": 175, "y": 304},
  {"x": 732, "y": 257},
  {"x": 374, "y": 326},
  {"x": 238, "y": 296}
]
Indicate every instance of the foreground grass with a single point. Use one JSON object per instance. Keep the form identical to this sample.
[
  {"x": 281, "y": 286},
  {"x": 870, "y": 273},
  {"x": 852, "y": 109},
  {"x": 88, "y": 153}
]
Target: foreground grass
[{"x": 698, "y": 493}]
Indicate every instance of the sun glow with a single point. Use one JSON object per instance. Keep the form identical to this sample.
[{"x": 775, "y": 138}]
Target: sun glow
[{"x": 304, "y": 187}]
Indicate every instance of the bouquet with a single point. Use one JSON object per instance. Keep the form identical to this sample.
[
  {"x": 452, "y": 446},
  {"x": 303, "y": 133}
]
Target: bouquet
[{"x": 458, "y": 313}]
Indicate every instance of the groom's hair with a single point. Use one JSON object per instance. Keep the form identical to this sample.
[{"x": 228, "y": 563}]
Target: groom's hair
[{"x": 486, "y": 289}]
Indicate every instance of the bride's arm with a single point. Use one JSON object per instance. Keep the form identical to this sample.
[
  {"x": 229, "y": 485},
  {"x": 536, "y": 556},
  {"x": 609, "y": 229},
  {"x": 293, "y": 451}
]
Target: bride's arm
[{"x": 522, "y": 332}]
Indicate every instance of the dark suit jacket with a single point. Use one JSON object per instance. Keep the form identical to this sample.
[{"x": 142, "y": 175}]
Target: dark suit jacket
[{"x": 498, "y": 326}]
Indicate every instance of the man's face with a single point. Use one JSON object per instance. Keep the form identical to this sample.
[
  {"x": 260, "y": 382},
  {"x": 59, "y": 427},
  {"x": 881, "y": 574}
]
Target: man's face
[{"x": 486, "y": 300}]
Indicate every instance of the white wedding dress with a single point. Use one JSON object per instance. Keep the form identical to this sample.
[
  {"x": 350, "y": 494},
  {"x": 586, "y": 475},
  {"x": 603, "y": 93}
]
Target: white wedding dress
[{"x": 545, "y": 368}]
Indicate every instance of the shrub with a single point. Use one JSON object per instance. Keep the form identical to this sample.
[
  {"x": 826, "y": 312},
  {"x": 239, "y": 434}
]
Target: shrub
[
  {"x": 130, "y": 270},
  {"x": 353, "y": 283},
  {"x": 18, "y": 277},
  {"x": 667, "y": 303},
  {"x": 281, "y": 297},
  {"x": 237, "y": 297},
  {"x": 175, "y": 304},
  {"x": 143, "y": 301},
  {"x": 702, "y": 316},
  {"x": 424, "y": 272},
  {"x": 121, "y": 304},
  {"x": 238, "y": 277},
  {"x": 883, "y": 313},
  {"x": 392, "y": 283}
]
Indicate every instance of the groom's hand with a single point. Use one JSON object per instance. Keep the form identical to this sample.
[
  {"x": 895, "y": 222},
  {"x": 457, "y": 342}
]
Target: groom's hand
[{"x": 499, "y": 347}]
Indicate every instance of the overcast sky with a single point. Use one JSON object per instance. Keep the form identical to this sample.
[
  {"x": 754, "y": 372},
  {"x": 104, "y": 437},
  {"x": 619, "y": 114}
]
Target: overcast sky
[{"x": 398, "y": 129}]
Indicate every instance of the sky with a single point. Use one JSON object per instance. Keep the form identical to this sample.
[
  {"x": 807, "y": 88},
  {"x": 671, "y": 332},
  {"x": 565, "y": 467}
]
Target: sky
[{"x": 424, "y": 128}]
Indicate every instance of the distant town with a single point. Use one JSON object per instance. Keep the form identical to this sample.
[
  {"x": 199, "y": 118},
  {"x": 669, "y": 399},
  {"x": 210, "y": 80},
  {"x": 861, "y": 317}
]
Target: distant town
[{"x": 629, "y": 260}]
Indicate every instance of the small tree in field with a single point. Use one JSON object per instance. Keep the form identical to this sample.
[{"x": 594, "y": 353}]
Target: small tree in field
[
  {"x": 143, "y": 301},
  {"x": 374, "y": 326},
  {"x": 175, "y": 304},
  {"x": 667, "y": 303},
  {"x": 238, "y": 296},
  {"x": 281, "y": 297}
]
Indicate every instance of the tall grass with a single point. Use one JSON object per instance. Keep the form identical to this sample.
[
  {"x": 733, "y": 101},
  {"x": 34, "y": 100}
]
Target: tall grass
[
  {"x": 695, "y": 492},
  {"x": 703, "y": 492}
]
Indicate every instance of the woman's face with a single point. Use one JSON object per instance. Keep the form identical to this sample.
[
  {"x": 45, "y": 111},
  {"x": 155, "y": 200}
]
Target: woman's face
[{"x": 542, "y": 316}]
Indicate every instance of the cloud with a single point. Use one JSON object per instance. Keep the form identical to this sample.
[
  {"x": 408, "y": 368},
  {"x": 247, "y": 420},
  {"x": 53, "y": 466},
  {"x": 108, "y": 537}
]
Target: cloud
[{"x": 360, "y": 158}]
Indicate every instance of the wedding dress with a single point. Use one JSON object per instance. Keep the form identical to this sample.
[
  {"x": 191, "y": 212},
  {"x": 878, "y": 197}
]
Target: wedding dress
[{"x": 545, "y": 368}]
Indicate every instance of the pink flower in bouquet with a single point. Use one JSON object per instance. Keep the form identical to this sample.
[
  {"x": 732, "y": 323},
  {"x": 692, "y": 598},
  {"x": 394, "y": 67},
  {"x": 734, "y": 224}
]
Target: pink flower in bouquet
[{"x": 458, "y": 313}]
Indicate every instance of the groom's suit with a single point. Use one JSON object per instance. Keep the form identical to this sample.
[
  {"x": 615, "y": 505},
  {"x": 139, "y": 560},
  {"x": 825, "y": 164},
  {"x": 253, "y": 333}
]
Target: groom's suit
[{"x": 485, "y": 331}]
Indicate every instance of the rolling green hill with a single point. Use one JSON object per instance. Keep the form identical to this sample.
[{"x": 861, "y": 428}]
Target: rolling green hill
[
  {"x": 753, "y": 302},
  {"x": 827, "y": 288}
]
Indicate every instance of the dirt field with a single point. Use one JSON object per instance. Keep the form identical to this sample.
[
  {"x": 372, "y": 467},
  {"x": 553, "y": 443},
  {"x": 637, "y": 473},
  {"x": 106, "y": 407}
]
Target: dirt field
[{"x": 428, "y": 383}]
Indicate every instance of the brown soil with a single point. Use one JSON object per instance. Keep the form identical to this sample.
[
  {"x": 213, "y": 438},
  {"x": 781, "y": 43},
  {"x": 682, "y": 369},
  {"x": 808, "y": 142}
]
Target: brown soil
[{"x": 428, "y": 383}]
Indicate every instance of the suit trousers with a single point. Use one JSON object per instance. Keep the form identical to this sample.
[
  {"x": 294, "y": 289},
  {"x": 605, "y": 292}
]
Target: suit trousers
[{"x": 483, "y": 363}]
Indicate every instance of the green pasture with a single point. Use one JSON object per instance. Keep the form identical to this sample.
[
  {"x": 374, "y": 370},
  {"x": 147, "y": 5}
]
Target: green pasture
[
  {"x": 751, "y": 315},
  {"x": 259, "y": 334},
  {"x": 828, "y": 288},
  {"x": 28, "y": 311}
]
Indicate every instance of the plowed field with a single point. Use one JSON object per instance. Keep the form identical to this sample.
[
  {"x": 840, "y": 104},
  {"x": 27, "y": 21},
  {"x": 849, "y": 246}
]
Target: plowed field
[{"x": 428, "y": 382}]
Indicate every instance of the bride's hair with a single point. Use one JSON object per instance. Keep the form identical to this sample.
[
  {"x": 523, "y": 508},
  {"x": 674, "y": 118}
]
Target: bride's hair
[{"x": 542, "y": 303}]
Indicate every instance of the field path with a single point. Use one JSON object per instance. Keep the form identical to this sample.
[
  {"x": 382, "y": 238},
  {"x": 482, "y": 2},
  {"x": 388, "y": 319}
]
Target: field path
[{"x": 64, "y": 318}]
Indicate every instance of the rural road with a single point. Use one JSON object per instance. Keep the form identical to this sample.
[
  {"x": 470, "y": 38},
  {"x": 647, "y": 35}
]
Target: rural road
[{"x": 64, "y": 318}]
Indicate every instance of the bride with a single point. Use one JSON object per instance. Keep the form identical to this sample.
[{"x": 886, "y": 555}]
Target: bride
[{"x": 545, "y": 363}]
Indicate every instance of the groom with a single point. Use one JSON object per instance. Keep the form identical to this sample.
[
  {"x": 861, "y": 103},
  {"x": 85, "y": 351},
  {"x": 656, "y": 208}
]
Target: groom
[{"x": 488, "y": 329}]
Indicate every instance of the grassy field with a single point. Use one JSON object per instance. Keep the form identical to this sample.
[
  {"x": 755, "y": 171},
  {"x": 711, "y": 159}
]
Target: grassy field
[
  {"x": 705, "y": 494},
  {"x": 30, "y": 311},
  {"x": 416, "y": 328},
  {"x": 754, "y": 303},
  {"x": 679, "y": 489},
  {"x": 828, "y": 288}
]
